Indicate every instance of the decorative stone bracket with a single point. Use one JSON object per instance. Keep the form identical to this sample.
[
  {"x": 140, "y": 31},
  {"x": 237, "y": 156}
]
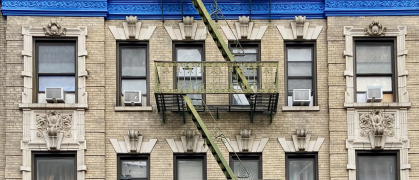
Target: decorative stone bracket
[
  {"x": 131, "y": 30},
  {"x": 189, "y": 143},
  {"x": 53, "y": 29},
  {"x": 133, "y": 143},
  {"x": 53, "y": 127},
  {"x": 300, "y": 30},
  {"x": 244, "y": 30},
  {"x": 373, "y": 30},
  {"x": 188, "y": 30},
  {"x": 245, "y": 142},
  {"x": 301, "y": 142}
]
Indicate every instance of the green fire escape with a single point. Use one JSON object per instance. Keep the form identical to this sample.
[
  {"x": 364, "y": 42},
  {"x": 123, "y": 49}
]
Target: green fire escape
[{"x": 172, "y": 96}]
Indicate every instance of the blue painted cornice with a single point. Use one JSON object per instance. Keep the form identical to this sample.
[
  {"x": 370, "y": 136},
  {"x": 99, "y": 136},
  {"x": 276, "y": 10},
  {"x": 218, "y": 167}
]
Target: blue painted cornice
[
  {"x": 96, "y": 8},
  {"x": 152, "y": 9}
]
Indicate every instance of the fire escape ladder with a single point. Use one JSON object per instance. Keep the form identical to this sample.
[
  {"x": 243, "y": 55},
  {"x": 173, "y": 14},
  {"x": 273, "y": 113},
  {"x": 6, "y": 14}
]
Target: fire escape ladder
[{"x": 212, "y": 146}]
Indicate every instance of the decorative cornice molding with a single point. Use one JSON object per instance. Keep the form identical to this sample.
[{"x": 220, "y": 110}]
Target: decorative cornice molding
[
  {"x": 245, "y": 142},
  {"x": 300, "y": 29},
  {"x": 369, "y": 4},
  {"x": 370, "y": 7},
  {"x": 189, "y": 143},
  {"x": 133, "y": 143}
]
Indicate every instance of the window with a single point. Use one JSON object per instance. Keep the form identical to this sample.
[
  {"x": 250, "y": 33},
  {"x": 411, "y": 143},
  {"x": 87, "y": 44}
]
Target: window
[
  {"x": 133, "y": 70},
  {"x": 190, "y": 166},
  {"x": 300, "y": 69},
  {"x": 56, "y": 67},
  {"x": 374, "y": 66},
  {"x": 250, "y": 162},
  {"x": 377, "y": 165},
  {"x": 133, "y": 166},
  {"x": 192, "y": 76},
  {"x": 252, "y": 54},
  {"x": 56, "y": 165},
  {"x": 301, "y": 166}
]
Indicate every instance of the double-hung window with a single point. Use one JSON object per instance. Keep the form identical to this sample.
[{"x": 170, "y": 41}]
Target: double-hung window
[
  {"x": 248, "y": 167},
  {"x": 300, "y": 69},
  {"x": 374, "y": 67},
  {"x": 133, "y": 166},
  {"x": 56, "y": 67},
  {"x": 190, "y": 166},
  {"x": 133, "y": 68},
  {"x": 190, "y": 76},
  {"x": 56, "y": 166},
  {"x": 377, "y": 165},
  {"x": 251, "y": 54},
  {"x": 301, "y": 166}
]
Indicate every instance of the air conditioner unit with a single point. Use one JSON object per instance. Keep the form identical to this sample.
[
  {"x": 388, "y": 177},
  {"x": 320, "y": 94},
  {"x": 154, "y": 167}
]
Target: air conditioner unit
[
  {"x": 54, "y": 95},
  {"x": 301, "y": 97},
  {"x": 375, "y": 92},
  {"x": 132, "y": 98}
]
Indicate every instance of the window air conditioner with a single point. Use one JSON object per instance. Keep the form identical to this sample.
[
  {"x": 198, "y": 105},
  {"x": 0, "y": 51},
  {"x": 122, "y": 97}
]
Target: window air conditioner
[
  {"x": 132, "y": 98},
  {"x": 54, "y": 95},
  {"x": 375, "y": 92},
  {"x": 301, "y": 97}
]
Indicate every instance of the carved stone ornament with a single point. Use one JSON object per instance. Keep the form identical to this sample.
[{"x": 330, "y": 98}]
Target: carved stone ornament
[
  {"x": 190, "y": 140},
  {"x": 375, "y": 29},
  {"x": 133, "y": 140},
  {"x": 245, "y": 135},
  {"x": 299, "y": 21},
  {"x": 301, "y": 136},
  {"x": 244, "y": 26},
  {"x": 52, "y": 125},
  {"x": 375, "y": 125},
  {"x": 187, "y": 21},
  {"x": 132, "y": 23},
  {"x": 54, "y": 29}
]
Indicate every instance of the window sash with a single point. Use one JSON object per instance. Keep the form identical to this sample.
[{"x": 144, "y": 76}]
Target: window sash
[
  {"x": 370, "y": 168},
  {"x": 309, "y": 158},
  {"x": 247, "y": 157},
  {"x": 292, "y": 76},
  {"x": 195, "y": 157},
  {"x": 133, "y": 157},
  {"x": 68, "y": 172},
  {"x": 143, "y": 76}
]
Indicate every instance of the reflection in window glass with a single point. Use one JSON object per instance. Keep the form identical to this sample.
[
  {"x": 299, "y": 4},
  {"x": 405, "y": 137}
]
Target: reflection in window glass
[
  {"x": 190, "y": 169},
  {"x": 136, "y": 169},
  {"x": 134, "y": 85},
  {"x": 56, "y": 58},
  {"x": 373, "y": 59},
  {"x": 133, "y": 61},
  {"x": 377, "y": 167},
  {"x": 55, "y": 168},
  {"x": 190, "y": 76},
  {"x": 66, "y": 82},
  {"x": 300, "y": 169},
  {"x": 248, "y": 169}
]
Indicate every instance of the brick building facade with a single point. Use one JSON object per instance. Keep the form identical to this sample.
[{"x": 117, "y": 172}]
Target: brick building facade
[{"x": 329, "y": 50}]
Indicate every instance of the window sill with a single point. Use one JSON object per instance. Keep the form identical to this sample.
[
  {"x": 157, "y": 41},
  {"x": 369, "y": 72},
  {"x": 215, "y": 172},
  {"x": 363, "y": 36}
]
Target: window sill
[
  {"x": 300, "y": 108},
  {"x": 133, "y": 109},
  {"x": 379, "y": 105},
  {"x": 53, "y": 106}
]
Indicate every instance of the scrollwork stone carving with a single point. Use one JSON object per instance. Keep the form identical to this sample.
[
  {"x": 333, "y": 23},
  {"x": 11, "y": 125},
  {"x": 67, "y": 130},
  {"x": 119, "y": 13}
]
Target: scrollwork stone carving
[
  {"x": 375, "y": 29},
  {"x": 54, "y": 29},
  {"x": 54, "y": 121},
  {"x": 376, "y": 122}
]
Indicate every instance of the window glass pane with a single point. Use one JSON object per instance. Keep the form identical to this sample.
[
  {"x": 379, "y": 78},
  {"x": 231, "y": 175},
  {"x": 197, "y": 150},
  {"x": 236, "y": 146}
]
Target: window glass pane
[
  {"x": 299, "y": 54},
  {"x": 246, "y": 50},
  {"x": 250, "y": 54},
  {"x": 240, "y": 99},
  {"x": 252, "y": 167},
  {"x": 55, "y": 168},
  {"x": 133, "y": 62},
  {"x": 188, "y": 54},
  {"x": 363, "y": 82},
  {"x": 196, "y": 99},
  {"x": 299, "y": 69},
  {"x": 56, "y": 58},
  {"x": 300, "y": 169},
  {"x": 137, "y": 169},
  {"x": 65, "y": 82},
  {"x": 373, "y": 58},
  {"x": 190, "y": 170},
  {"x": 134, "y": 85},
  {"x": 190, "y": 70},
  {"x": 361, "y": 97},
  {"x": 299, "y": 84},
  {"x": 377, "y": 168}
]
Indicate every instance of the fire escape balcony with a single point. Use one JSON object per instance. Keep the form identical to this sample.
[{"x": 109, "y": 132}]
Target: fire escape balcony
[{"x": 214, "y": 86}]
